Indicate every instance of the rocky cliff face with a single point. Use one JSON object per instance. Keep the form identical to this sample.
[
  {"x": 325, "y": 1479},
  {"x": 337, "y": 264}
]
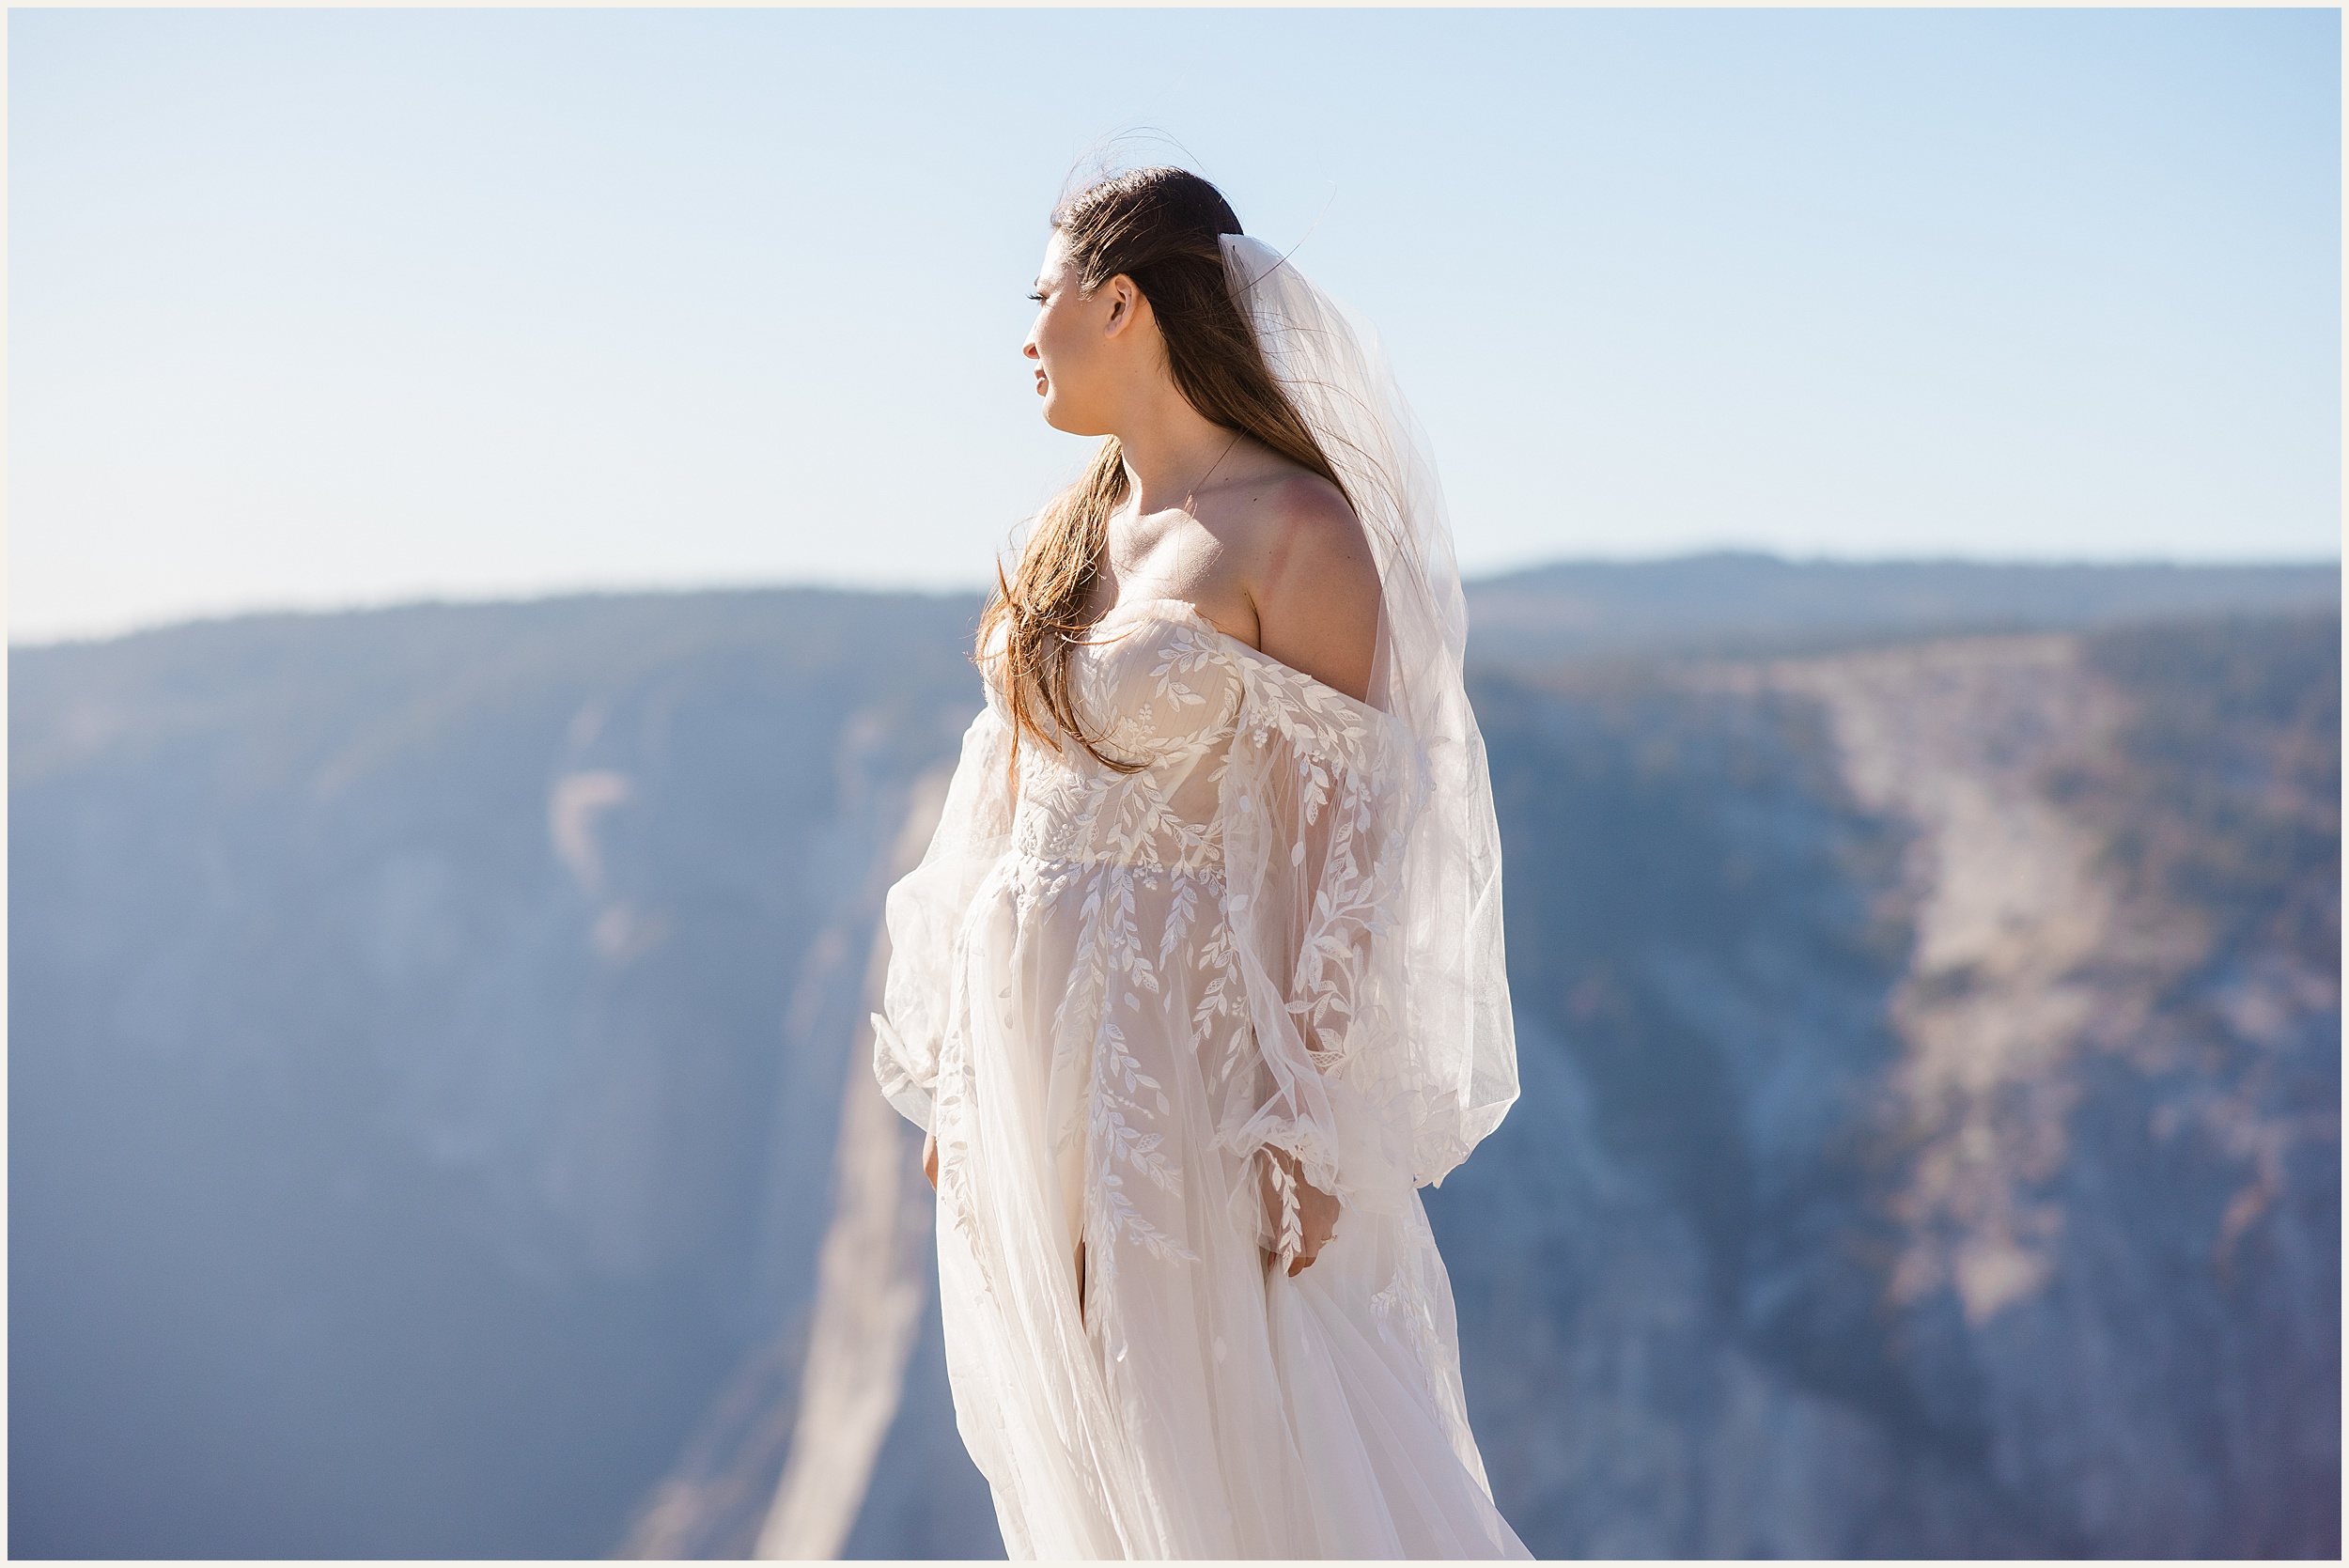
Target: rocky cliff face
[
  {"x": 1930, "y": 1138},
  {"x": 430, "y": 1031}
]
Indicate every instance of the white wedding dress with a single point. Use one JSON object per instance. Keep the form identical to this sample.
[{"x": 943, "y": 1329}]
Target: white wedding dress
[{"x": 1109, "y": 994}]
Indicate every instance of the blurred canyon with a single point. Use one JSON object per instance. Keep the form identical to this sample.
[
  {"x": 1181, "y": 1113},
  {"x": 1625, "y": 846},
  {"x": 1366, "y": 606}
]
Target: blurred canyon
[{"x": 440, "y": 1121}]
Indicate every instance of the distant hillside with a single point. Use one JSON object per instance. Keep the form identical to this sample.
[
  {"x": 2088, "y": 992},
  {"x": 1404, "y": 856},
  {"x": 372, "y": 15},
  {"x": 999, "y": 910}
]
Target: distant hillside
[
  {"x": 1738, "y": 603},
  {"x": 1726, "y": 602},
  {"x": 428, "y": 1030}
]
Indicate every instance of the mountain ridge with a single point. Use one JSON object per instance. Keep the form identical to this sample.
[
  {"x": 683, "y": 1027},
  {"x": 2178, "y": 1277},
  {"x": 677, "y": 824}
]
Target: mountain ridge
[{"x": 1720, "y": 580}]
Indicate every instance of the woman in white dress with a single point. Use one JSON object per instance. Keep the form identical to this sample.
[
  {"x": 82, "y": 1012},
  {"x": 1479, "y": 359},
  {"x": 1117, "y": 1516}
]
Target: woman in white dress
[{"x": 1201, "y": 977}]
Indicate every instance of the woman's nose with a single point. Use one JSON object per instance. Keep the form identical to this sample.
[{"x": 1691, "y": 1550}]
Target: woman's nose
[{"x": 1029, "y": 349}]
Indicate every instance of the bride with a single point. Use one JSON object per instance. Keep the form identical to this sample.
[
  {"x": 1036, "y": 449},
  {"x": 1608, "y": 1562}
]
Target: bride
[{"x": 1200, "y": 978}]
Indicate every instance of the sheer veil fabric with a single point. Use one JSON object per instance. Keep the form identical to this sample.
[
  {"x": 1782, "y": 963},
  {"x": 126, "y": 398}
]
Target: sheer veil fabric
[{"x": 1111, "y": 994}]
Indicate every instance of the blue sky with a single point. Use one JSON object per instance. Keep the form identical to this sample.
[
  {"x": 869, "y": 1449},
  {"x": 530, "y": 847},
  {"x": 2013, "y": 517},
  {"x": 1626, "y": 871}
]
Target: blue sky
[{"x": 314, "y": 308}]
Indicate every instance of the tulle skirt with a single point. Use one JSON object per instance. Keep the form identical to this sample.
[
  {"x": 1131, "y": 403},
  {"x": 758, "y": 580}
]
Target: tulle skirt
[{"x": 1198, "y": 1402}]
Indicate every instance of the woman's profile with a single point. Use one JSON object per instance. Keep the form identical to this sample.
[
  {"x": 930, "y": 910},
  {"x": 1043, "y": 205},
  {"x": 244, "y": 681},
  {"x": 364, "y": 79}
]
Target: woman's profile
[{"x": 1200, "y": 978}]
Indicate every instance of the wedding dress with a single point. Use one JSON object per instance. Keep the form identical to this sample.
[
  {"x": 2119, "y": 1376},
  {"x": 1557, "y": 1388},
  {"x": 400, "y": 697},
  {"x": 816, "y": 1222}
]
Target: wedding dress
[{"x": 1109, "y": 994}]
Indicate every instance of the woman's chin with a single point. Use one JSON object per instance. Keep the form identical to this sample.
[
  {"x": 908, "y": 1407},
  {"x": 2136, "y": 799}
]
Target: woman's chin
[{"x": 1053, "y": 417}]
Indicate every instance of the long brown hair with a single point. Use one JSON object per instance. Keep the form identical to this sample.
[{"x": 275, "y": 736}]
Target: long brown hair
[{"x": 1158, "y": 227}]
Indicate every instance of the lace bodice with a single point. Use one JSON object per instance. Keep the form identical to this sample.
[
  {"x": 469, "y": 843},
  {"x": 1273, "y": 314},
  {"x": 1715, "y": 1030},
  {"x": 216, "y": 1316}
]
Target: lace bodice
[
  {"x": 1287, "y": 807},
  {"x": 1159, "y": 683}
]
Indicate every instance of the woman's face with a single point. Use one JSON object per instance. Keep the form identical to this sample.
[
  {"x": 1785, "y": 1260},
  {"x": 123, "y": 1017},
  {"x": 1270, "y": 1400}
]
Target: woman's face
[{"x": 1078, "y": 344}]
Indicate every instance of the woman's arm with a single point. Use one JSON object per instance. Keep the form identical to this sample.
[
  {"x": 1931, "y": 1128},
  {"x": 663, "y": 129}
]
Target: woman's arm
[
  {"x": 923, "y": 909},
  {"x": 1316, "y": 599}
]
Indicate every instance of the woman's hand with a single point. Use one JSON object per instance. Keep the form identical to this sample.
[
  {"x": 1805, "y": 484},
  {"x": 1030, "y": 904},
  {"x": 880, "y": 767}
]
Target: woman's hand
[
  {"x": 1316, "y": 1211},
  {"x": 929, "y": 1157}
]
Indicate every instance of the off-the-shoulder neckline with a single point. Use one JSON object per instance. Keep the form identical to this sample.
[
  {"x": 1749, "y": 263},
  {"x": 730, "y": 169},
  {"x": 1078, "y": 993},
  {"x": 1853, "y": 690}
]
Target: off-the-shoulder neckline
[{"x": 1193, "y": 613}]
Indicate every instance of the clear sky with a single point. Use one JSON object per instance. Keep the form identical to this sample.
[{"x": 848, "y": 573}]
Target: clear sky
[{"x": 313, "y": 308}]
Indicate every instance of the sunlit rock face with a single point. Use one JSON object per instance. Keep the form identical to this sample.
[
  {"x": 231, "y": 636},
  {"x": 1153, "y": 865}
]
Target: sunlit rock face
[
  {"x": 430, "y": 1030},
  {"x": 1928, "y": 1143}
]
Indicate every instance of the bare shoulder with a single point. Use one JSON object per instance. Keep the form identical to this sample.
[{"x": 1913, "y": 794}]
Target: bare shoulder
[{"x": 1315, "y": 583}]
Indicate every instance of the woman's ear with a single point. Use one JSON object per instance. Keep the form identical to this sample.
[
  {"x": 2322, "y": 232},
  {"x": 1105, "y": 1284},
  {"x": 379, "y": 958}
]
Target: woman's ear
[{"x": 1125, "y": 304}]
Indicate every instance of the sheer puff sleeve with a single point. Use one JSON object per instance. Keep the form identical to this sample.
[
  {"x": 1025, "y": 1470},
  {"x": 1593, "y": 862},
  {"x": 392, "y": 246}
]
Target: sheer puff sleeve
[
  {"x": 1319, "y": 793},
  {"x": 923, "y": 914}
]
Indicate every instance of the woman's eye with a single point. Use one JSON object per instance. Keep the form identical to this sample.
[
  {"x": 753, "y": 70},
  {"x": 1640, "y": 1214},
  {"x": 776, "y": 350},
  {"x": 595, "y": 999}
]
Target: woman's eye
[{"x": 1037, "y": 298}]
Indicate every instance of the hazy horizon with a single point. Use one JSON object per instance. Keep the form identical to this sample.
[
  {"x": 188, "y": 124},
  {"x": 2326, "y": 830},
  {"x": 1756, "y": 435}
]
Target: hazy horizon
[
  {"x": 319, "y": 309},
  {"x": 490, "y": 599}
]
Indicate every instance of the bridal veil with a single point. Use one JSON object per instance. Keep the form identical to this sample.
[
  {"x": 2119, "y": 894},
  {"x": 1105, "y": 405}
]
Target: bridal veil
[{"x": 1430, "y": 1053}]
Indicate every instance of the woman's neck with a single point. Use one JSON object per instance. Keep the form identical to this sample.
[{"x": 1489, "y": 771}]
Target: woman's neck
[{"x": 1169, "y": 452}]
